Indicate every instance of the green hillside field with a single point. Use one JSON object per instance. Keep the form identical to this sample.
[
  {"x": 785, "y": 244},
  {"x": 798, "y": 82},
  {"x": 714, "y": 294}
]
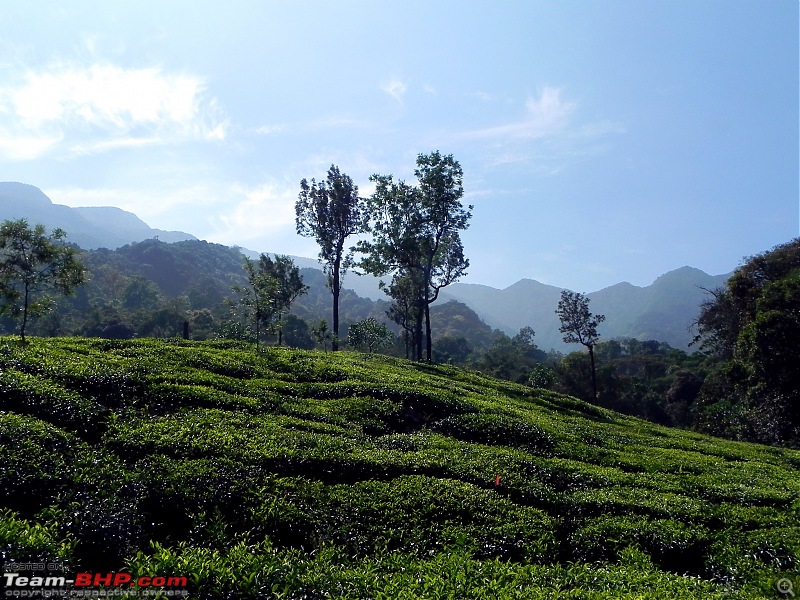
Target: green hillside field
[{"x": 293, "y": 474}]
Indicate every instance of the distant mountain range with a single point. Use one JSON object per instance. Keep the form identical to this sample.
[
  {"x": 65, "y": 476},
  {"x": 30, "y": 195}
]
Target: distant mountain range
[
  {"x": 663, "y": 310},
  {"x": 89, "y": 227}
]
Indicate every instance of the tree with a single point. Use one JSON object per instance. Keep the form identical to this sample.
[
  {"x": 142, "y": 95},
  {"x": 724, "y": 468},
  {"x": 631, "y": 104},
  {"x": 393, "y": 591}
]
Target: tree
[
  {"x": 289, "y": 287},
  {"x": 321, "y": 334},
  {"x": 416, "y": 234},
  {"x": 512, "y": 359},
  {"x": 273, "y": 285},
  {"x": 753, "y": 324},
  {"x": 370, "y": 335},
  {"x": 331, "y": 211},
  {"x": 297, "y": 333},
  {"x": 579, "y": 326},
  {"x": 405, "y": 309},
  {"x": 32, "y": 264}
]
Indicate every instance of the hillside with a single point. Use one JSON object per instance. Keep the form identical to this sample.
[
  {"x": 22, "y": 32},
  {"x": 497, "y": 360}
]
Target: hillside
[
  {"x": 88, "y": 227},
  {"x": 664, "y": 310},
  {"x": 294, "y": 474}
]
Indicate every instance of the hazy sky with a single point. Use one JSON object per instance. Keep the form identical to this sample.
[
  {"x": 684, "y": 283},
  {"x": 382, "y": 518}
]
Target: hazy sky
[{"x": 601, "y": 141}]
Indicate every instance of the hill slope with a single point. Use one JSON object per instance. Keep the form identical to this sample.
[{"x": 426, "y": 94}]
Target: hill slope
[
  {"x": 307, "y": 475},
  {"x": 662, "y": 311},
  {"x": 88, "y": 227}
]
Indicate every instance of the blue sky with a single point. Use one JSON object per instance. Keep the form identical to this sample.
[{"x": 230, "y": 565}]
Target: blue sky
[{"x": 601, "y": 141}]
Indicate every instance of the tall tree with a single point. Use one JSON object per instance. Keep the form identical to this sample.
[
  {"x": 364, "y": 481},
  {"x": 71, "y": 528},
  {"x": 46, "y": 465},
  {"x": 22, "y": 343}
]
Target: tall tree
[
  {"x": 331, "y": 211},
  {"x": 579, "y": 326},
  {"x": 416, "y": 233},
  {"x": 33, "y": 263}
]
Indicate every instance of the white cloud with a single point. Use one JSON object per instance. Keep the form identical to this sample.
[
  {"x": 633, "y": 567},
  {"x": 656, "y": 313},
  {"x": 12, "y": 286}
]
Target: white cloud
[
  {"x": 545, "y": 116},
  {"x": 101, "y": 107},
  {"x": 270, "y": 129},
  {"x": 395, "y": 88},
  {"x": 257, "y": 211}
]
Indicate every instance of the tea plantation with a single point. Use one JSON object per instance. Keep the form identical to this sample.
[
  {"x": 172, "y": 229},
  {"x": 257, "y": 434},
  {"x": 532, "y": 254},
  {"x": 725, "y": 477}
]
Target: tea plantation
[{"x": 291, "y": 474}]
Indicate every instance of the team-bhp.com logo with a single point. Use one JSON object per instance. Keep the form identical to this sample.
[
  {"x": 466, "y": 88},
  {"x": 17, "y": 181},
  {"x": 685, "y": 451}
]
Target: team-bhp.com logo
[{"x": 22, "y": 584}]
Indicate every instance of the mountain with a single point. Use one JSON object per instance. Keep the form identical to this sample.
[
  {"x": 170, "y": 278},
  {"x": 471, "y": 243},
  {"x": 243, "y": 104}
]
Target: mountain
[
  {"x": 203, "y": 273},
  {"x": 89, "y": 227},
  {"x": 662, "y": 311},
  {"x": 365, "y": 285}
]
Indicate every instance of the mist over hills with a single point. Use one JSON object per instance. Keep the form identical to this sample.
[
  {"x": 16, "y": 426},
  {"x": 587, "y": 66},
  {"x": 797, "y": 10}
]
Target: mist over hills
[{"x": 663, "y": 310}]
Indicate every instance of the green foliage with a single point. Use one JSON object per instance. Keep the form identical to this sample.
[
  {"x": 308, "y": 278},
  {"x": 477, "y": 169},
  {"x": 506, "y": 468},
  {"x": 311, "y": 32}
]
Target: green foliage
[
  {"x": 578, "y": 325},
  {"x": 647, "y": 379},
  {"x": 32, "y": 263},
  {"x": 273, "y": 285},
  {"x": 511, "y": 358},
  {"x": 22, "y": 540},
  {"x": 286, "y": 473},
  {"x": 369, "y": 335},
  {"x": 754, "y": 324},
  {"x": 416, "y": 237},
  {"x": 331, "y": 212}
]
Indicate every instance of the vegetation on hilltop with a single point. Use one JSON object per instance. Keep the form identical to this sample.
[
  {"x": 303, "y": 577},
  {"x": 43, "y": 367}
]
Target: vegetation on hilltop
[
  {"x": 295, "y": 474},
  {"x": 33, "y": 263},
  {"x": 743, "y": 385},
  {"x": 753, "y": 326}
]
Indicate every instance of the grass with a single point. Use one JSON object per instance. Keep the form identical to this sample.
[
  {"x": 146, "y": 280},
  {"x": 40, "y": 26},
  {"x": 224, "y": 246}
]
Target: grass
[{"x": 291, "y": 474}]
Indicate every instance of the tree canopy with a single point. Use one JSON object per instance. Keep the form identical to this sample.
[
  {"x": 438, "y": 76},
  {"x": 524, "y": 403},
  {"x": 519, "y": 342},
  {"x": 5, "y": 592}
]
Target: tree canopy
[
  {"x": 579, "y": 326},
  {"x": 416, "y": 235},
  {"x": 273, "y": 285},
  {"x": 753, "y": 324},
  {"x": 32, "y": 264},
  {"x": 331, "y": 211}
]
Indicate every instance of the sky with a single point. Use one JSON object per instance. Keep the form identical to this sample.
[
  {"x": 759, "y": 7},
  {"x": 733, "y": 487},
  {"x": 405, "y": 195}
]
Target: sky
[{"x": 600, "y": 141}]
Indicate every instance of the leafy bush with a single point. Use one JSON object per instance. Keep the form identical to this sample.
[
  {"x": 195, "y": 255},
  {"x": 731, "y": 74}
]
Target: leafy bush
[{"x": 300, "y": 474}]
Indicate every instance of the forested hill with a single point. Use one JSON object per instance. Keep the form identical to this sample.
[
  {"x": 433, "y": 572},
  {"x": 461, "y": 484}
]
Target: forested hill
[
  {"x": 201, "y": 273},
  {"x": 664, "y": 310},
  {"x": 149, "y": 288}
]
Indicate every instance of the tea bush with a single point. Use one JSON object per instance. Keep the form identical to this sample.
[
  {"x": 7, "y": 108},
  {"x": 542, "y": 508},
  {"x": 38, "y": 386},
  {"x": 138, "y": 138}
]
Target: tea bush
[{"x": 293, "y": 474}]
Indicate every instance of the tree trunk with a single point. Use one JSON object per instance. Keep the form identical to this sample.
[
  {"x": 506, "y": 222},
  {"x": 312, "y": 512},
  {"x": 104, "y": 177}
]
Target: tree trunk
[
  {"x": 594, "y": 373},
  {"x": 428, "y": 343},
  {"x": 418, "y": 329},
  {"x": 24, "y": 313},
  {"x": 335, "y": 288}
]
